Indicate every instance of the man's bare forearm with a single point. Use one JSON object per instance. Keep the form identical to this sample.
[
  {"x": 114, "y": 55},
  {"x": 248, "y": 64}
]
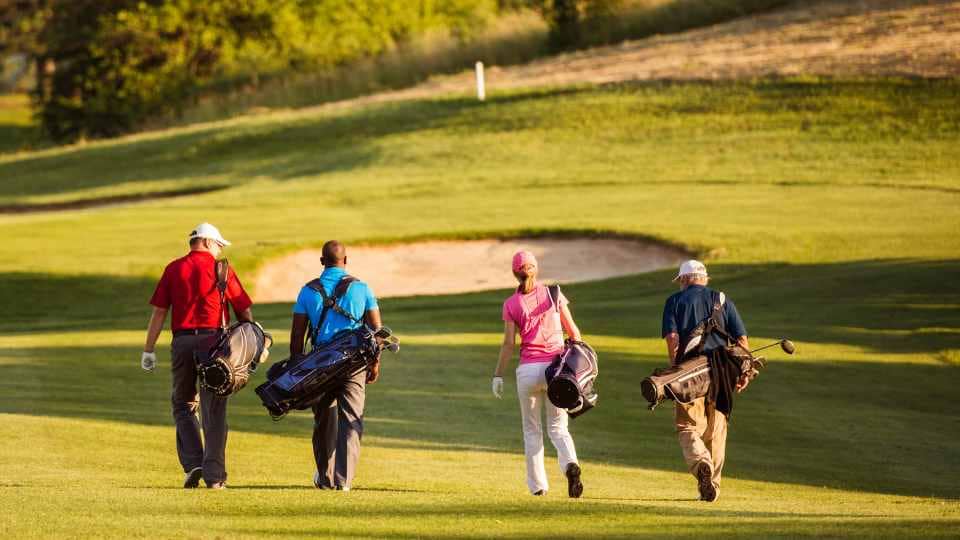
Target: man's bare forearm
[
  {"x": 157, "y": 318},
  {"x": 372, "y": 318},
  {"x": 673, "y": 343},
  {"x": 245, "y": 315},
  {"x": 298, "y": 330}
]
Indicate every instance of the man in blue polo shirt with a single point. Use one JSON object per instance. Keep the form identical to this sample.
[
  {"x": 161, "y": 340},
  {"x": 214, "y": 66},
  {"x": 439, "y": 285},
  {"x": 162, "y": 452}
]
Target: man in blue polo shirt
[
  {"x": 338, "y": 417},
  {"x": 701, "y": 428}
]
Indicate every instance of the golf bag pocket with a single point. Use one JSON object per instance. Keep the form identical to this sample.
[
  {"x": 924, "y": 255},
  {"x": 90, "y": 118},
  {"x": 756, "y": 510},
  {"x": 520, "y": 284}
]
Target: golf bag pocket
[
  {"x": 225, "y": 366},
  {"x": 682, "y": 383},
  {"x": 571, "y": 377}
]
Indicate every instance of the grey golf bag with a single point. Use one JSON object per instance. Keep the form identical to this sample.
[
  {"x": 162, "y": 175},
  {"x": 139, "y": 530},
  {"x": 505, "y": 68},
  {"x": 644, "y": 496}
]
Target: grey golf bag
[
  {"x": 682, "y": 383},
  {"x": 234, "y": 356},
  {"x": 692, "y": 377},
  {"x": 299, "y": 384},
  {"x": 571, "y": 377}
]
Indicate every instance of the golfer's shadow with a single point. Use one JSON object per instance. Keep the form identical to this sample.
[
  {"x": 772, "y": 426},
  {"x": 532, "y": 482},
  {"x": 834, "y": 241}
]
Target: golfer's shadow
[
  {"x": 634, "y": 499},
  {"x": 308, "y": 487}
]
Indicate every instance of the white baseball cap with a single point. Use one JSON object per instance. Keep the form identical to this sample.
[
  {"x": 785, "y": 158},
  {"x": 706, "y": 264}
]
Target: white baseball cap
[
  {"x": 691, "y": 267},
  {"x": 206, "y": 230}
]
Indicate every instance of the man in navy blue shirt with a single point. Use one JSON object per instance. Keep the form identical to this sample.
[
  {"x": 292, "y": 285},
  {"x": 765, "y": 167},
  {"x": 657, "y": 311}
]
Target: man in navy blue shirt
[
  {"x": 701, "y": 429},
  {"x": 338, "y": 417}
]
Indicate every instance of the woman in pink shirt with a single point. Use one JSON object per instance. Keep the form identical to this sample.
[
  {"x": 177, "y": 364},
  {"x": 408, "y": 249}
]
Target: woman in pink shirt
[{"x": 530, "y": 311}]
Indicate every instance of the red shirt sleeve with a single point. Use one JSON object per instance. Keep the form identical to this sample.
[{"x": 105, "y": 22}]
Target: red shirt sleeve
[
  {"x": 236, "y": 295},
  {"x": 161, "y": 295}
]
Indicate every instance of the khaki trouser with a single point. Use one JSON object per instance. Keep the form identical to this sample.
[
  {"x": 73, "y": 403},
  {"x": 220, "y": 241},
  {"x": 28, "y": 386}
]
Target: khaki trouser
[
  {"x": 186, "y": 402},
  {"x": 702, "y": 432},
  {"x": 337, "y": 430}
]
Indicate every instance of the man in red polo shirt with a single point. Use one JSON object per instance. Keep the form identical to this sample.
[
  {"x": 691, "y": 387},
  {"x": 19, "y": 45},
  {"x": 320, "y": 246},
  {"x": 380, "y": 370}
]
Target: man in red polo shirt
[{"x": 189, "y": 287}]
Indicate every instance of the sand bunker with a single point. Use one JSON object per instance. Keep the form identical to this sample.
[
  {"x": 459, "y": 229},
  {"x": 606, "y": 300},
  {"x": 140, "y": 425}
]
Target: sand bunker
[{"x": 448, "y": 267}]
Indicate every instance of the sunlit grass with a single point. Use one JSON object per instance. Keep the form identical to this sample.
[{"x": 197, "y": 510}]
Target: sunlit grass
[{"x": 827, "y": 210}]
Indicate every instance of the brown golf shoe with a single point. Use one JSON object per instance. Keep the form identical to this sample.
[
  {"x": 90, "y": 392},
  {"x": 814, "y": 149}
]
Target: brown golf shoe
[
  {"x": 705, "y": 483},
  {"x": 574, "y": 485}
]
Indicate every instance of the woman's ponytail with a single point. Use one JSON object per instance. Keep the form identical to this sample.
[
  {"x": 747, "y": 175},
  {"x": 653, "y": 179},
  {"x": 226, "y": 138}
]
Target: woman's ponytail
[{"x": 527, "y": 281}]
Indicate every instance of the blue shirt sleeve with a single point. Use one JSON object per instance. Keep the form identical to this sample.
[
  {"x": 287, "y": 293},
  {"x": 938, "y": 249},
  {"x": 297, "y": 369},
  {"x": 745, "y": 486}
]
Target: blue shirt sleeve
[
  {"x": 300, "y": 307},
  {"x": 669, "y": 317},
  {"x": 370, "y": 302},
  {"x": 732, "y": 320}
]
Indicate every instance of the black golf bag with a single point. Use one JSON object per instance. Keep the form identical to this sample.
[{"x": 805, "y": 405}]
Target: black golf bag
[
  {"x": 237, "y": 353},
  {"x": 299, "y": 384},
  {"x": 571, "y": 377}
]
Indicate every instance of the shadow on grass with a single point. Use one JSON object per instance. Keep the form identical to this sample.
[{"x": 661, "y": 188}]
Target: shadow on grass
[
  {"x": 284, "y": 149},
  {"x": 675, "y": 526},
  {"x": 314, "y": 145},
  {"x": 823, "y": 424},
  {"x": 873, "y": 426}
]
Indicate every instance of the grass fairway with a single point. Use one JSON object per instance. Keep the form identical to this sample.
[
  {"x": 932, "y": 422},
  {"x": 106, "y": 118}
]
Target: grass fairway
[
  {"x": 16, "y": 125},
  {"x": 828, "y": 210}
]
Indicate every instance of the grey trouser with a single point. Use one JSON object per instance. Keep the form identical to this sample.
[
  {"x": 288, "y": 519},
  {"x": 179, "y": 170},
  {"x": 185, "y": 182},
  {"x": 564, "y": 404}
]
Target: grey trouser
[
  {"x": 337, "y": 429},
  {"x": 213, "y": 412}
]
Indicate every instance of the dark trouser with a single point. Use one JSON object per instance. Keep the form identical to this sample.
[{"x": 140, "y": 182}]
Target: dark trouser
[
  {"x": 337, "y": 429},
  {"x": 213, "y": 412}
]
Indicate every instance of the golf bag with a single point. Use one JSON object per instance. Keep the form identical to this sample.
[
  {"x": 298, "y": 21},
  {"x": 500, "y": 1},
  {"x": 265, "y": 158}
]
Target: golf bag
[
  {"x": 234, "y": 356},
  {"x": 682, "y": 383},
  {"x": 236, "y": 351},
  {"x": 299, "y": 384},
  {"x": 692, "y": 377},
  {"x": 571, "y": 377}
]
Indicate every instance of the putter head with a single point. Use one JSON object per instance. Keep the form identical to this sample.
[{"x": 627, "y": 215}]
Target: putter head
[{"x": 787, "y": 346}]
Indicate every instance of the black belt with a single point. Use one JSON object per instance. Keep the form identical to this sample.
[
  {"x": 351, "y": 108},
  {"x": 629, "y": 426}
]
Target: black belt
[{"x": 195, "y": 332}]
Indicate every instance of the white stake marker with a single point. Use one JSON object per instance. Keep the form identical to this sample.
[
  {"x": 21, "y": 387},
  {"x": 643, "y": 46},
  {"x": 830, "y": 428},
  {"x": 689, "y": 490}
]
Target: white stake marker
[{"x": 481, "y": 87}]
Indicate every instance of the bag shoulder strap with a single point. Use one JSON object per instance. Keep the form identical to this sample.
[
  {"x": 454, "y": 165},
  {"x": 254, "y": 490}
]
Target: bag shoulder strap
[
  {"x": 555, "y": 295},
  {"x": 222, "y": 271},
  {"x": 716, "y": 323},
  {"x": 331, "y": 302}
]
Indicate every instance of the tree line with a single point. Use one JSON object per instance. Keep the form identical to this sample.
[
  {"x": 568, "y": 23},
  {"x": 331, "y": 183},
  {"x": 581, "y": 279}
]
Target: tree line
[{"x": 103, "y": 67}]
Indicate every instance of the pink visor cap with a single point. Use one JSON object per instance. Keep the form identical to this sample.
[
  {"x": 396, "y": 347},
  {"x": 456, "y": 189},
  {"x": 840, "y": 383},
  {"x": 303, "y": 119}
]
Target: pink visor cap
[{"x": 523, "y": 258}]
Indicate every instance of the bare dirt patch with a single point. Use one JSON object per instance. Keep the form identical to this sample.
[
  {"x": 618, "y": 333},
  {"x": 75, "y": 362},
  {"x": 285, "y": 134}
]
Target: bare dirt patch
[
  {"x": 449, "y": 267},
  {"x": 831, "y": 38}
]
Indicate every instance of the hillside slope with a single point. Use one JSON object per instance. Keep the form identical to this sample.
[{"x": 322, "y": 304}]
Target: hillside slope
[{"x": 914, "y": 38}]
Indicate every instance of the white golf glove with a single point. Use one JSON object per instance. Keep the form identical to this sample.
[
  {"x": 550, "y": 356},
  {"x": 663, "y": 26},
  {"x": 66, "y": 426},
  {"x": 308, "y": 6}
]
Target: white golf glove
[
  {"x": 148, "y": 361},
  {"x": 498, "y": 386}
]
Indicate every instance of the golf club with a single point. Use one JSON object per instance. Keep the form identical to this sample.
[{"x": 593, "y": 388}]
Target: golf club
[{"x": 784, "y": 344}]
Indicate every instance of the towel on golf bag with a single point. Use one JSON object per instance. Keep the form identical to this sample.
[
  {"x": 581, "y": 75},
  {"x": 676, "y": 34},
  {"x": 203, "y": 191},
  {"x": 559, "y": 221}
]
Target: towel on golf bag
[
  {"x": 299, "y": 384},
  {"x": 713, "y": 376},
  {"x": 571, "y": 377},
  {"x": 235, "y": 354}
]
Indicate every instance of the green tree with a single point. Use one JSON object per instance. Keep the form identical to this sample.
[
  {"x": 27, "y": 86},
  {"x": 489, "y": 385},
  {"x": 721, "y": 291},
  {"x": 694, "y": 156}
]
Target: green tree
[{"x": 105, "y": 66}]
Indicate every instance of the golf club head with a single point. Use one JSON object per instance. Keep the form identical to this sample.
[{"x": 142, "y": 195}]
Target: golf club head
[{"x": 787, "y": 346}]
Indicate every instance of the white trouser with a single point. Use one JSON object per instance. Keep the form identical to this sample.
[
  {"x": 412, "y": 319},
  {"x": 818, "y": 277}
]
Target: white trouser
[{"x": 532, "y": 391}]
